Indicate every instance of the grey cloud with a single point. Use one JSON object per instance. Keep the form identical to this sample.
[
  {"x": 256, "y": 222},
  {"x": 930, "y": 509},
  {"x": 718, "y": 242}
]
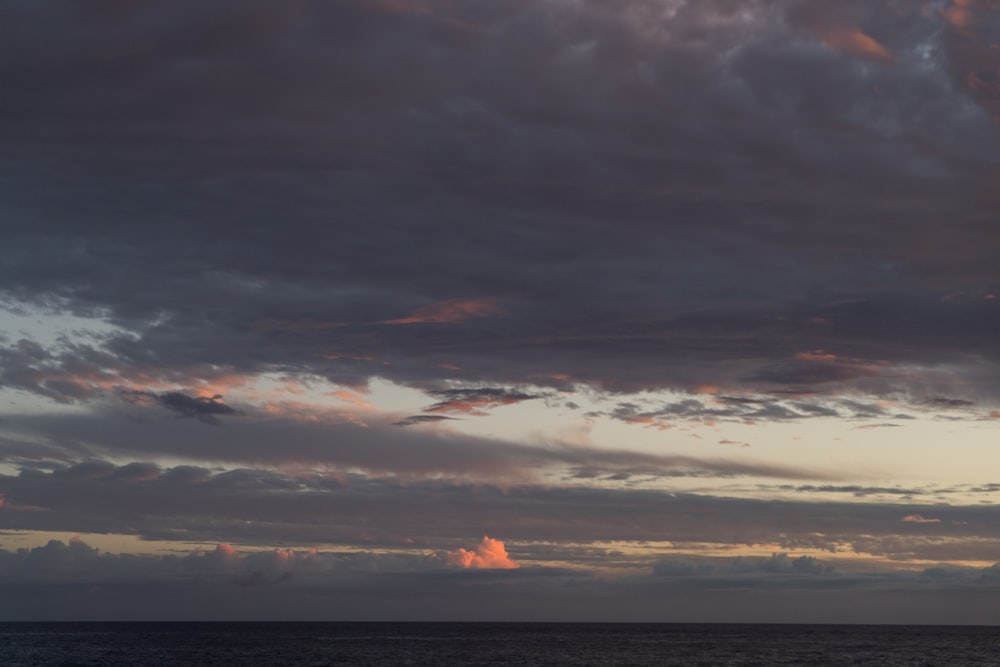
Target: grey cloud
[
  {"x": 76, "y": 561},
  {"x": 789, "y": 201},
  {"x": 929, "y": 547},
  {"x": 376, "y": 447},
  {"x": 948, "y": 403},
  {"x": 747, "y": 409},
  {"x": 265, "y": 507},
  {"x": 779, "y": 563},
  {"x": 810, "y": 374},
  {"x": 226, "y": 584},
  {"x": 477, "y": 399},
  {"x": 861, "y": 491},
  {"x": 206, "y": 409},
  {"x": 201, "y": 407},
  {"x": 234, "y": 169},
  {"x": 422, "y": 419}
]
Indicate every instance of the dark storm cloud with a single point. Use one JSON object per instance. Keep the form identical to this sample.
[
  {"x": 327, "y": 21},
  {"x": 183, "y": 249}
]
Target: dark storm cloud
[
  {"x": 206, "y": 409},
  {"x": 628, "y": 195}
]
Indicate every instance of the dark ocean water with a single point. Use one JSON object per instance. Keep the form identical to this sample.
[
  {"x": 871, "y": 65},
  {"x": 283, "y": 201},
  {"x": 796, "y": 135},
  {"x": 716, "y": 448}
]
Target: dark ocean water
[{"x": 521, "y": 644}]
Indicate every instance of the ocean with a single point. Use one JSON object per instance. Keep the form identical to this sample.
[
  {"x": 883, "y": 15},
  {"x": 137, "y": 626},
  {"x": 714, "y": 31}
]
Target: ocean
[{"x": 520, "y": 644}]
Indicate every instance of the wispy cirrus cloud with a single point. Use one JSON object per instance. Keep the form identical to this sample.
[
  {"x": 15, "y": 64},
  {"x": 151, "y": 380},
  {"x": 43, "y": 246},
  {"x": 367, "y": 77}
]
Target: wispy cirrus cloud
[
  {"x": 478, "y": 400},
  {"x": 422, "y": 419}
]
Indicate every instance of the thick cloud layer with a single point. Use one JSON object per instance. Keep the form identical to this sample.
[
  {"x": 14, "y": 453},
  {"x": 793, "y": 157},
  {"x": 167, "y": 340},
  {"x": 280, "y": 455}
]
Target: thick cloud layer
[
  {"x": 634, "y": 194},
  {"x": 222, "y": 223},
  {"x": 262, "y": 507},
  {"x": 225, "y": 583}
]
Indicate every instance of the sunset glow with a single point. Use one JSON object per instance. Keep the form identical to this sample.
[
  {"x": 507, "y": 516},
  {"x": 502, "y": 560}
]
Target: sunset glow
[{"x": 593, "y": 310}]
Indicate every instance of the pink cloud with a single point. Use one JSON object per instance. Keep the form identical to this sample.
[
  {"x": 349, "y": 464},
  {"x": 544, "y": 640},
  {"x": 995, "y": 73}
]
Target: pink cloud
[
  {"x": 488, "y": 554},
  {"x": 477, "y": 406},
  {"x": 916, "y": 518},
  {"x": 353, "y": 398},
  {"x": 295, "y": 325},
  {"x": 959, "y": 14},
  {"x": 816, "y": 355},
  {"x": 456, "y": 310},
  {"x": 7, "y": 505},
  {"x": 442, "y": 312},
  {"x": 225, "y": 551},
  {"x": 856, "y": 43},
  {"x": 400, "y": 6}
]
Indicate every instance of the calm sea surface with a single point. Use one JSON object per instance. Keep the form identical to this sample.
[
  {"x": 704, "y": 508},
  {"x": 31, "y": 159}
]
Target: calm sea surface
[{"x": 442, "y": 644}]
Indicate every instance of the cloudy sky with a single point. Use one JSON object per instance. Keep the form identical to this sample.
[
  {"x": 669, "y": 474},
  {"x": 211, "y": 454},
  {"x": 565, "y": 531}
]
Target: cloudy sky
[{"x": 501, "y": 310}]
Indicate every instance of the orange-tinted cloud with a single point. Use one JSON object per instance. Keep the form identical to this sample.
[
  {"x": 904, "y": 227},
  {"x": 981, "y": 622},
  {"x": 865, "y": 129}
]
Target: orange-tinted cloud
[
  {"x": 221, "y": 384},
  {"x": 488, "y": 554},
  {"x": 973, "y": 56},
  {"x": 456, "y": 310},
  {"x": 959, "y": 14},
  {"x": 472, "y": 406},
  {"x": 225, "y": 552},
  {"x": 354, "y": 399},
  {"x": 400, "y": 6},
  {"x": 856, "y": 43},
  {"x": 442, "y": 312},
  {"x": 816, "y": 355},
  {"x": 648, "y": 422},
  {"x": 916, "y": 518},
  {"x": 295, "y": 325},
  {"x": 7, "y": 505}
]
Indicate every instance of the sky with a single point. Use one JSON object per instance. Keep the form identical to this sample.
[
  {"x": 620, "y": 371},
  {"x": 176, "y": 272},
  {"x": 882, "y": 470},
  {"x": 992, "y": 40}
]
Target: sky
[{"x": 582, "y": 310}]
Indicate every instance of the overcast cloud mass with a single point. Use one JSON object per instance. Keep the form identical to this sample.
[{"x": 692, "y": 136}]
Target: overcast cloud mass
[{"x": 597, "y": 310}]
